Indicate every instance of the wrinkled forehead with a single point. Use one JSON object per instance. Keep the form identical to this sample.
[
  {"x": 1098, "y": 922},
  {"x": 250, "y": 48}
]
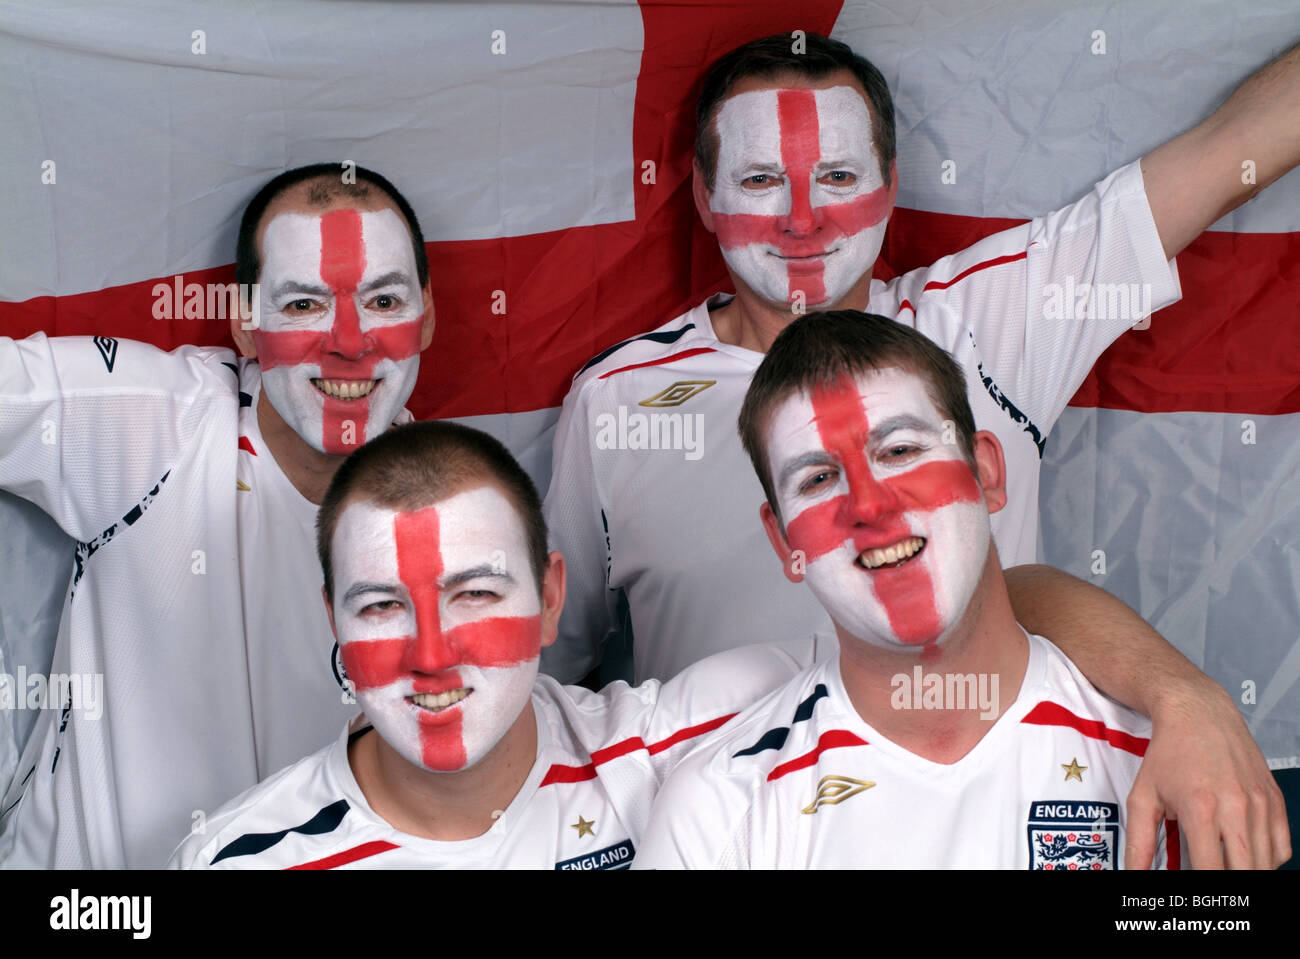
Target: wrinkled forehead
[
  {"x": 750, "y": 125},
  {"x": 806, "y": 422},
  {"x": 297, "y": 243},
  {"x": 476, "y": 527}
]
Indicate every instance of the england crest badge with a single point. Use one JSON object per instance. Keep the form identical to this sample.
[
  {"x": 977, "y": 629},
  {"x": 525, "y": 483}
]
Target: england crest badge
[{"x": 1068, "y": 834}]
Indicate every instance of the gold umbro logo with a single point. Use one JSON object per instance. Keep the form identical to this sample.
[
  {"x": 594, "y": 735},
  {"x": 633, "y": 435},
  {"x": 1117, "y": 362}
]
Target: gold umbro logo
[
  {"x": 832, "y": 790},
  {"x": 678, "y": 393}
]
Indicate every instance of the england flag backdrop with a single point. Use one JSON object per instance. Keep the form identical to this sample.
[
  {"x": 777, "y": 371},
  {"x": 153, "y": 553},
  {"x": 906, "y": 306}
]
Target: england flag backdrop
[{"x": 546, "y": 149}]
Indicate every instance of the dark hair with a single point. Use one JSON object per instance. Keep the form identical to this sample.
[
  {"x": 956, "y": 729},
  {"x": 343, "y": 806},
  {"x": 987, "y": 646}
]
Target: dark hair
[
  {"x": 773, "y": 56},
  {"x": 820, "y": 348},
  {"x": 326, "y": 186},
  {"x": 414, "y": 465}
]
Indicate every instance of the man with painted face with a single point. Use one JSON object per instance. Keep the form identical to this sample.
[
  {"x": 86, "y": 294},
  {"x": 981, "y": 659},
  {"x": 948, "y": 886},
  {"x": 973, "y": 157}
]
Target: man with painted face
[
  {"x": 794, "y": 174},
  {"x": 190, "y": 481},
  {"x": 976, "y": 744},
  {"x": 441, "y": 593}
]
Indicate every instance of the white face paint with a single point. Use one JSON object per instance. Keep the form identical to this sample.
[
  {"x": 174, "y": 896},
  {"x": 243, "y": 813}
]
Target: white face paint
[
  {"x": 891, "y": 520},
  {"x": 338, "y": 336},
  {"x": 799, "y": 204},
  {"x": 438, "y": 618}
]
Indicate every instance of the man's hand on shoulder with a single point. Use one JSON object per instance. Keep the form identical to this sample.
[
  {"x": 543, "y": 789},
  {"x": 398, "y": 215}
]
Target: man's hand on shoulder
[{"x": 1203, "y": 769}]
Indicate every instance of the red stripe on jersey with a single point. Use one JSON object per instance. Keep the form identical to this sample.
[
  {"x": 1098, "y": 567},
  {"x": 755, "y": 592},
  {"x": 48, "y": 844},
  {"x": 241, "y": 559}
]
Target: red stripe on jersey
[
  {"x": 575, "y": 774},
  {"x": 363, "y": 851},
  {"x": 246, "y": 444},
  {"x": 1053, "y": 714},
  {"x": 944, "y": 284},
  {"x": 831, "y": 739},
  {"x": 659, "y": 362},
  {"x": 1173, "y": 845}
]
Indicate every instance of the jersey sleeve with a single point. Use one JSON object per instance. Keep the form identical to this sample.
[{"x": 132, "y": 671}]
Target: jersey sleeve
[
  {"x": 692, "y": 824},
  {"x": 1043, "y": 301},
  {"x": 88, "y": 425},
  {"x": 578, "y": 529},
  {"x": 705, "y": 695}
]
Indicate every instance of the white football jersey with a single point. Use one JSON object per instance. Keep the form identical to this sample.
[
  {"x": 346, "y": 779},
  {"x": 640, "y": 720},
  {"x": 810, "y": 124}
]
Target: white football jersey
[
  {"x": 601, "y": 758},
  {"x": 800, "y": 781},
  {"x": 193, "y": 606},
  {"x": 654, "y": 501}
]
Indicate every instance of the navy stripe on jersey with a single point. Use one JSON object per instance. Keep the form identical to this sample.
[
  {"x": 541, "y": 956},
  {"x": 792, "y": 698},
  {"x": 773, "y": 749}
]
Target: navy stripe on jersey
[
  {"x": 1010, "y": 408},
  {"x": 775, "y": 738},
  {"x": 667, "y": 336},
  {"x": 84, "y": 551},
  {"x": 250, "y": 844}
]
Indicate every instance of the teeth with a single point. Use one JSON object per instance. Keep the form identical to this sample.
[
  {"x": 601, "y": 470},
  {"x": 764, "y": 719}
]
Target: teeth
[
  {"x": 873, "y": 558},
  {"x": 439, "y": 700},
  {"x": 345, "y": 389}
]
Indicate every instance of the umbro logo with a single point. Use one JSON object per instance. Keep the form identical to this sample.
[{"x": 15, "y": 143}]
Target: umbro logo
[
  {"x": 833, "y": 790},
  {"x": 678, "y": 393},
  {"x": 107, "y": 347}
]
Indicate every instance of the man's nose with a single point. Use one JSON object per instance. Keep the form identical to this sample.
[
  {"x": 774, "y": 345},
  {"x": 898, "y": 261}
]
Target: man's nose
[
  {"x": 432, "y": 649},
  {"x": 869, "y": 498},
  {"x": 345, "y": 337},
  {"x": 804, "y": 218}
]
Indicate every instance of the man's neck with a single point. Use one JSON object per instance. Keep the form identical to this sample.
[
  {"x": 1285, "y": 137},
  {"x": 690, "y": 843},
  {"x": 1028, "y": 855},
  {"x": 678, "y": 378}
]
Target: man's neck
[
  {"x": 987, "y": 643},
  {"x": 445, "y": 806},
  {"x": 753, "y": 324},
  {"x": 308, "y": 469}
]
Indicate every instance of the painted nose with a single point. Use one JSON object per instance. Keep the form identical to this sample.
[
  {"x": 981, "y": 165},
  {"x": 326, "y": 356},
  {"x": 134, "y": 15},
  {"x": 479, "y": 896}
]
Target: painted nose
[
  {"x": 432, "y": 649},
  {"x": 869, "y": 499},
  {"x": 345, "y": 337},
  {"x": 804, "y": 218}
]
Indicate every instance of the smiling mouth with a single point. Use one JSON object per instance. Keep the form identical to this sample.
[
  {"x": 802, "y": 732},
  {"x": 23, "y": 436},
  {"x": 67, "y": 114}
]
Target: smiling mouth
[
  {"x": 345, "y": 389},
  {"x": 891, "y": 557},
  {"x": 437, "y": 702}
]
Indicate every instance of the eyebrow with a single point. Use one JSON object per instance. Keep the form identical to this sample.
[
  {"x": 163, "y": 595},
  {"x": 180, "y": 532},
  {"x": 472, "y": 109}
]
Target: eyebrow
[
  {"x": 391, "y": 278},
  {"x": 482, "y": 571},
  {"x": 291, "y": 286},
  {"x": 360, "y": 589}
]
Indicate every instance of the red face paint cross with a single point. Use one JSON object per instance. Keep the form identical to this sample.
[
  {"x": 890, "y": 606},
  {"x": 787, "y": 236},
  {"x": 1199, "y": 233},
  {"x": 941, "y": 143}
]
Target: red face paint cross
[
  {"x": 887, "y": 516},
  {"x": 799, "y": 204},
  {"x": 438, "y": 616},
  {"x": 339, "y": 334}
]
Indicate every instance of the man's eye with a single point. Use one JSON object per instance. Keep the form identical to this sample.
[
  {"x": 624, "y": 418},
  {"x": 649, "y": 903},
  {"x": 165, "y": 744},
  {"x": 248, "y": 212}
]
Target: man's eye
[
  {"x": 901, "y": 451},
  {"x": 383, "y": 606},
  {"x": 817, "y": 481},
  {"x": 385, "y": 301},
  {"x": 476, "y": 594},
  {"x": 760, "y": 181},
  {"x": 301, "y": 306},
  {"x": 839, "y": 178}
]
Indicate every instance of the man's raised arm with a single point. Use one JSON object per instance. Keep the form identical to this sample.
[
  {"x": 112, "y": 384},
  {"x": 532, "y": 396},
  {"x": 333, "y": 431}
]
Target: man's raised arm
[
  {"x": 1219, "y": 164},
  {"x": 1202, "y": 766}
]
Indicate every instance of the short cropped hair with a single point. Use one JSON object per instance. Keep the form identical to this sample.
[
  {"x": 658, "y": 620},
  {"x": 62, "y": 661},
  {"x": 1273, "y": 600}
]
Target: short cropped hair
[
  {"x": 818, "y": 349},
  {"x": 326, "y": 186},
  {"x": 772, "y": 57},
  {"x": 415, "y": 465}
]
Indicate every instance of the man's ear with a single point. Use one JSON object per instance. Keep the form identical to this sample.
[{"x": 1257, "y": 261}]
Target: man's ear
[
  {"x": 552, "y": 597},
  {"x": 793, "y": 566},
  {"x": 702, "y": 195},
  {"x": 329, "y": 611},
  {"x": 426, "y": 329},
  {"x": 991, "y": 469},
  {"x": 243, "y": 338}
]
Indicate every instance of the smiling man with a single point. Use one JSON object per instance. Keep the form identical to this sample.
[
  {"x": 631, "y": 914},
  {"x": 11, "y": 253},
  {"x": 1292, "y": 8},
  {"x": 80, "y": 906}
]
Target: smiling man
[
  {"x": 794, "y": 173},
  {"x": 879, "y": 492},
  {"x": 441, "y": 593},
  {"x": 190, "y": 481}
]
